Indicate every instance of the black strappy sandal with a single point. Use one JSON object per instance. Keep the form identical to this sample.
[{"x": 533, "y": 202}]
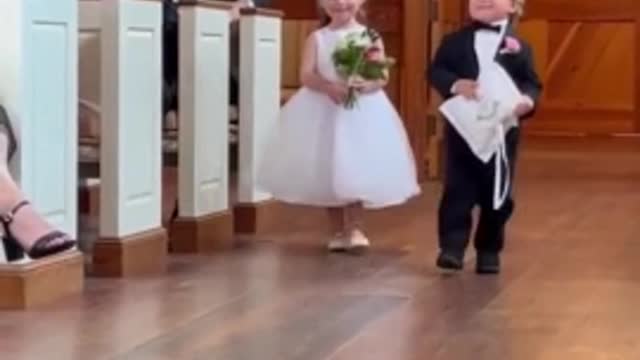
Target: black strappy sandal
[{"x": 49, "y": 244}]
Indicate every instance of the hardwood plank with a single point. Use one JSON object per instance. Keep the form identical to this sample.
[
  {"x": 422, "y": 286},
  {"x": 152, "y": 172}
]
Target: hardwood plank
[
  {"x": 568, "y": 290},
  {"x": 582, "y": 9}
]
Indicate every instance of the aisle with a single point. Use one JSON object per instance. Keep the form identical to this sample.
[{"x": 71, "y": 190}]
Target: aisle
[{"x": 569, "y": 288}]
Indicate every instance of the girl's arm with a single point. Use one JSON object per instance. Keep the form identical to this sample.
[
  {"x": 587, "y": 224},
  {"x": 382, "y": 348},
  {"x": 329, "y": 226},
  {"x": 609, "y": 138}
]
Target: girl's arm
[{"x": 310, "y": 78}]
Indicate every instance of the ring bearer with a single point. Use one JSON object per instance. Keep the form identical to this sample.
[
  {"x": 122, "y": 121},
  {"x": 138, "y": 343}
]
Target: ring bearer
[{"x": 486, "y": 75}]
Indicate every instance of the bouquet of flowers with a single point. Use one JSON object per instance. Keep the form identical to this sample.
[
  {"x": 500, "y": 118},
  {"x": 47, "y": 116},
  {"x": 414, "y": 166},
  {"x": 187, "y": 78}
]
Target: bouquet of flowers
[{"x": 358, "y": 58}]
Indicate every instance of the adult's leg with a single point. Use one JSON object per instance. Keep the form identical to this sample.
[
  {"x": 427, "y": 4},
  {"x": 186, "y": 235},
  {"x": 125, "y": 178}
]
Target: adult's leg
[
  {"x": 170, "y": 68},
  {"x": 23, "y": 223}
]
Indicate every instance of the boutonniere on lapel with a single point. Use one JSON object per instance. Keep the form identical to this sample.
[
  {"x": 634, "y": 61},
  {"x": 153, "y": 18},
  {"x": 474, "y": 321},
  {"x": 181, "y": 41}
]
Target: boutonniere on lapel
[{"x": 510, "y": 45}]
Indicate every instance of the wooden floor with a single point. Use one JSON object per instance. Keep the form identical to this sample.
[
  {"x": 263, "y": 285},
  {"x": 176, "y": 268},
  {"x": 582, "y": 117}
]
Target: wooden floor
[{"x": 570, "y": 287}]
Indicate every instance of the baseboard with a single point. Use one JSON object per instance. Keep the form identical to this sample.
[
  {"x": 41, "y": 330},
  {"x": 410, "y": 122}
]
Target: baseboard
[
  {"x": 139, "y": 254},
  {"x": 202, "y": 234},
  {"x": 39, "y": 282}
]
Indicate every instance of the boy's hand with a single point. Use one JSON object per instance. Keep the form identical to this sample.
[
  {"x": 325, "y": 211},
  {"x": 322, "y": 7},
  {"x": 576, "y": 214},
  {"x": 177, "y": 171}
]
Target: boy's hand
[
  {"x": 467, "y": 88},
  {"x": 524, "y": 107}
]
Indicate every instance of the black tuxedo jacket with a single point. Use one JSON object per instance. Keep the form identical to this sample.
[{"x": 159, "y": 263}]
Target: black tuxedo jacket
[{"x": 456, "y": 59}]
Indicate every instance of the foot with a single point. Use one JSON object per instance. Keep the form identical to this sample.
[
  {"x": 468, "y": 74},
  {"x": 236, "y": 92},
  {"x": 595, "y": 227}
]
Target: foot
[
  {"x": 339, "y": 243},
  {"x": 487, "y": 263},
  {"x": 448, "y": 261},
  {"x": 358, "y": 242},
  {"x": 27, "y": 226},
  {"x": 22, "y": 223}
]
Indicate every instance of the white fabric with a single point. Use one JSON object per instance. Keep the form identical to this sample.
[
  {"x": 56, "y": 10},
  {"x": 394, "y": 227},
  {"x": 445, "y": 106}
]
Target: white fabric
[
  {"x": 484, "y": 123},
  {"x": 322, "y": 154},
  {"x": 486, "y": 43}
]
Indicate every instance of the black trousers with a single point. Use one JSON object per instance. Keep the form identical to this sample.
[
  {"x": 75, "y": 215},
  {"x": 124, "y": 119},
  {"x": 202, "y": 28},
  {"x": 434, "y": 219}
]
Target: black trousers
[
  {"x": 469, "y": 183},
  {"x": 170, "y": 68}
]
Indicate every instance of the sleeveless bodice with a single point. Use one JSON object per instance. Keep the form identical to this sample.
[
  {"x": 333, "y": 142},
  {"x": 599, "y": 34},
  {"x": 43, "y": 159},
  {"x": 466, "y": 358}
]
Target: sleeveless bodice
[{"x": 326, "y": 41}]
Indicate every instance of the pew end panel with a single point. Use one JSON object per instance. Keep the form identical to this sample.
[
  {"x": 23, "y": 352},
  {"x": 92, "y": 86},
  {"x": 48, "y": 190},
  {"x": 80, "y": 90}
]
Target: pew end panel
[
  {"x": 204, "y": 221},
  {"x": 260, "y": 85},
  {"x": 38, "y": 283},
  {"x": 131, "y": 238},
  {"x": 39, "y": 90}
]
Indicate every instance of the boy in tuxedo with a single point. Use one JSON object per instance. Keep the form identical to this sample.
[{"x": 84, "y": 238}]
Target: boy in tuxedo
[{"x": 469, "y": 181}]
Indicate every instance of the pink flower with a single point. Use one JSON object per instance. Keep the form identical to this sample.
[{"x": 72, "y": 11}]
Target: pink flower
[
  {"x": 374, "y": 53},
  {"x": 511, "y": 46}
]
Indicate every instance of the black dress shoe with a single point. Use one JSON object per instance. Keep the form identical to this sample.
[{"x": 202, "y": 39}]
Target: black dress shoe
[
  {"x": 488, "y": 263},
  {"x": 450, "y": 262}
]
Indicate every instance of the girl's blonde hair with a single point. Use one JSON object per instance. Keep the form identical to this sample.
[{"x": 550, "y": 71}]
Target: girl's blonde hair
[{"x": 326, "y": 20}]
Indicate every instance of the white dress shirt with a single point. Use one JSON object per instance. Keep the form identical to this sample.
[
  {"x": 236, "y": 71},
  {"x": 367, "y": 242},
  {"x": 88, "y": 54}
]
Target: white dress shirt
[{"x": 486, "y": 43}]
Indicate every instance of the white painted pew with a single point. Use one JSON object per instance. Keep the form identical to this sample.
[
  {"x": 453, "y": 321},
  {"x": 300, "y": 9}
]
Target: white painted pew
[
  {"x": 131, "y": 238},
  {"x": 204, "y": 220},
  {"x": 38, "y": 86},
  {"x": 260, "y": 53}
]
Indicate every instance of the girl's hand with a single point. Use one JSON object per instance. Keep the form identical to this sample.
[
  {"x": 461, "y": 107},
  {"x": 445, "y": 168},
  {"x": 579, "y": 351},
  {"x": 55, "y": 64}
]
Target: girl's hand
[
  {"x": 337, "y": 92},
  {"x": 367, "y": 87}
]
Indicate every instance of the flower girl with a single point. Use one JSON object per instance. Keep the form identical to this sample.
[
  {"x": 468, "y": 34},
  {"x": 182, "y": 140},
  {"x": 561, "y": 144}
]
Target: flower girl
[{"x": 339, "y": 143}]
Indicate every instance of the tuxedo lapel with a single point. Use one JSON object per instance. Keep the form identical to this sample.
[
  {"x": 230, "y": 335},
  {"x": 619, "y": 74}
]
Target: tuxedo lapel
[
  {"x": 470, "y": 56},
  {"x": 508, "y": 61},
  {"x": 509, "y": 32}
]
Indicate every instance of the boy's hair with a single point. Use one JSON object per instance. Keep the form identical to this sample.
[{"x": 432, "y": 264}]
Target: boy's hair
[{"x": 518, "y": 6}]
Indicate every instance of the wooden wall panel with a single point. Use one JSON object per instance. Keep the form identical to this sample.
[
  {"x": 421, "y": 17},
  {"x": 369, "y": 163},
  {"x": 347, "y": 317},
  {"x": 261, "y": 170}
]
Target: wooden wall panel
[
  {"x": 449, "y": 17},
  {"x": 587, "y": 55},
  {"x": 296, "y": 9},
  {"x": 583, "y": 10}
]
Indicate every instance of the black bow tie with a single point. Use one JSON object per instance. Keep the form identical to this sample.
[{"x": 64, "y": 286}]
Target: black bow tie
[{"x": 477, "y": 25}]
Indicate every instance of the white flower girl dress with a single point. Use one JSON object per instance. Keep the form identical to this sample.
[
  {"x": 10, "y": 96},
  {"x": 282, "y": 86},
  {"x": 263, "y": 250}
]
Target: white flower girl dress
[{"x": 322, "y": 154}]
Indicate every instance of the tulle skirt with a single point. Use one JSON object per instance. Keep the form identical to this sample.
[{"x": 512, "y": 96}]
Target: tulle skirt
[{"x": 321, "y": 154}]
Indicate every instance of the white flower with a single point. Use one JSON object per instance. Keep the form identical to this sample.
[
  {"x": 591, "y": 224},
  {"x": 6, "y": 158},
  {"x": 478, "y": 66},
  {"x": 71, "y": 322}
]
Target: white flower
[
  {"x": 342, "y": 43},
  {"x": 360, "y": 38}
]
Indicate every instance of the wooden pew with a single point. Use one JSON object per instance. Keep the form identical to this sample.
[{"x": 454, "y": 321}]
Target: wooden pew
[
  {"x": 131, "y": 238},
  {"x": 89, "y": 114},
  {"x": 260, "y": 81},
  {"x": 38, "y": 87},
  {"x": 204, "y": 221}
]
